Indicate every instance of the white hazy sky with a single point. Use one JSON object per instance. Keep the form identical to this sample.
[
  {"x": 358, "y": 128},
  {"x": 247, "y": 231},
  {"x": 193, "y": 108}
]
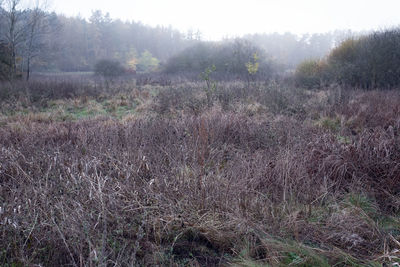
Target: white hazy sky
[{"x": 223, "y": 18}]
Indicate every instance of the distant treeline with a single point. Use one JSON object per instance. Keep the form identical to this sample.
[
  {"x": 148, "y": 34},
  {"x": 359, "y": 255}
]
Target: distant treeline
[
  {"x": 229, "y": 59},
  {"x": 75, "y": 44},
  {"x": 35, "y": 40},
  {"x": 370, "y": 61}
]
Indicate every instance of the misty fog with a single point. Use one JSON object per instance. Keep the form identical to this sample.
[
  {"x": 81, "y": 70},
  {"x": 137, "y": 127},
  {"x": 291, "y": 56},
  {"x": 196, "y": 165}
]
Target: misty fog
[{"x": 179, "y": 133}]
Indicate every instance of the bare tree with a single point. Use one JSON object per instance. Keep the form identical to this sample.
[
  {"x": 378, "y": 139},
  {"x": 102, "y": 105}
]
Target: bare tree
[
  {"x": 24, "y": 27},
  {"x": 14, "y": 34},
  {"x": 36, "y": 27}
]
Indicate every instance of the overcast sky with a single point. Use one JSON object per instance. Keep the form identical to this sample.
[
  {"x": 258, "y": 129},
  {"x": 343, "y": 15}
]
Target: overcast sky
[{"x": 222, "y": 18}]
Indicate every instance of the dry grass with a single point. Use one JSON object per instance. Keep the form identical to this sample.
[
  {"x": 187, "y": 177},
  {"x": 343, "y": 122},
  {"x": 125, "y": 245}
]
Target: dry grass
[{"x": 254, "y": 185}]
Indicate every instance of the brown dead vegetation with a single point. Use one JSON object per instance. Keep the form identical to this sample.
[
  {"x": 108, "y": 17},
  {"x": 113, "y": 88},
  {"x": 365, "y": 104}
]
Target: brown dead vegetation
[{"x": 210, "y": 188}]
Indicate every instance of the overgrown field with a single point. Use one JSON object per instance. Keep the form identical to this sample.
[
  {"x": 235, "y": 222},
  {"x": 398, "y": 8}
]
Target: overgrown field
[{"x": 149, "y": 175}]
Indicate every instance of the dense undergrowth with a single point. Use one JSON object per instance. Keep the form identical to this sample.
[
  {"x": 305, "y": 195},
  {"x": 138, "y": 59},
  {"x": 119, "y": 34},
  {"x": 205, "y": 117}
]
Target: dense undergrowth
[{"x": 266, "y": 175}]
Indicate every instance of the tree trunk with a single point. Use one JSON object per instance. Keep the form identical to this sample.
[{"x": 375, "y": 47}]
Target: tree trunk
[{"x": 28, "y": 71}]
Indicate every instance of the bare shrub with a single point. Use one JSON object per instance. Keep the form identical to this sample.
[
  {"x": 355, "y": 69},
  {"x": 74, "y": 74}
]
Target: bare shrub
[{"x": 202, "y": 188}]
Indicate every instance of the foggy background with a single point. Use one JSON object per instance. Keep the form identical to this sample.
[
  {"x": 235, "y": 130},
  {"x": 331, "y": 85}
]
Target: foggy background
[
  {"x": 71, "y": 36},
  {"x": 227, "y": 18}
]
